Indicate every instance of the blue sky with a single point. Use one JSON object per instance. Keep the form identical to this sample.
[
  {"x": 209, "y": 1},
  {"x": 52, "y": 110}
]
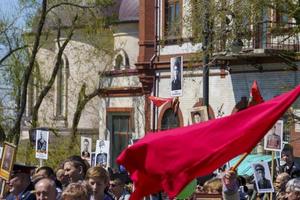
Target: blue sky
[{"x": 9, "y": 9}]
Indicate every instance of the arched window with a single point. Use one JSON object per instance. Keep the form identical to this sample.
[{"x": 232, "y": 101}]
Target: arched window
[
  {"x": 119, "y": 62},
  {"x": 61, "y": 88},
  {"x": 169, "y": 120}
]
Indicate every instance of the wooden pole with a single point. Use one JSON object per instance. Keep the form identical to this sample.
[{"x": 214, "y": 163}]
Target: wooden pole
[
  {"x": 272, "y": 172},
  {"x": 239, "y": 162}
]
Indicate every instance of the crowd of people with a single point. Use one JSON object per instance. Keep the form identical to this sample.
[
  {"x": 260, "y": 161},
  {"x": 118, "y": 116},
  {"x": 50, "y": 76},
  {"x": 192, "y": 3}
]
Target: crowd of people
[{"x": 75, "y": 179}]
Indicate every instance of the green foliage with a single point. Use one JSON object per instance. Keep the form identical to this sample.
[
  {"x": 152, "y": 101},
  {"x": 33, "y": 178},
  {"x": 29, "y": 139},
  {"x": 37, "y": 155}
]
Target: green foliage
[{"x": 58, "y": 151}]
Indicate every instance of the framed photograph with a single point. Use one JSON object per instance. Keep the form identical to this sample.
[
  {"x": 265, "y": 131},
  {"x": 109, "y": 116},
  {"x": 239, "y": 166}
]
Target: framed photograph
[
  {"x": 176, "y": 65},
  {"x": 41, "y": 145},
  {"x": 86, "y": 148},
  {"x": 7, "y": 161},
  {"x": 262, "y": 176},
  {"x": 102, "y": 153},
  {"x": 198, "y": 114},
  {"x": 273, "y": 139}
]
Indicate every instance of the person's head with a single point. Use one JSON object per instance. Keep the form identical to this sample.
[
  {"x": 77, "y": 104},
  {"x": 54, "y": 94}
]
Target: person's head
[
  {"x": 20, "y": 178},
  {"x": 18, "y": 183},
  {"x": 78, "y": 191},
  {"x": 260, "y": 171},
  {"x": 176, "y": 70},
  {"x": 98, "y": 179},
  {"x": 46, "y": 172},
  {"x": 287, "y": 154},
  {"x": 116, "y": 186},
  {"x": 197, "y": 117},
  {"x": 274, "y": 129},
  {"x": 60, "y": 176},
  {"x": 293, "y": 189},
  {"x": 281, "y": 181},
  {"x": 213, "y": 186},
  {"x": 41, "y": 136},
  {"x": 74, "y": 168},
  {"x": 101, "y": 144},
  {"x": 45, "y": 189},
  {"x": 86, "y": 144}
]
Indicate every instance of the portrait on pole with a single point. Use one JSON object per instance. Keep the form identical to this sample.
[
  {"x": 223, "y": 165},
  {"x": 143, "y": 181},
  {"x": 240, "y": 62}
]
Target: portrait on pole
[
  {"x": 273, "y": 139},
  {"x": 176, "y": 65},
  {"x": 41, "y": 145}
]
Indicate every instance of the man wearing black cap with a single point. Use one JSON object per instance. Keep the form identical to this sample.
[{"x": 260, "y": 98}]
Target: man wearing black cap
[
  {"x": 20, "y": 186},
  {"x": 262, "y": 182}
]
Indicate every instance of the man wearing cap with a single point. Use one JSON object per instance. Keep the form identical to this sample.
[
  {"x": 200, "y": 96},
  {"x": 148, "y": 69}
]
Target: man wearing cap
[
  {"x": 288, "y": 163},
  {"x": 20, "y": 187},
  {"x": 262, "y": 182}
]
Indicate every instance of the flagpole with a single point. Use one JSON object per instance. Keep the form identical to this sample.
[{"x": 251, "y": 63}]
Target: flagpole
[
  {"x": 239, "y": 162},
  {"x": 272, "y": 171}
]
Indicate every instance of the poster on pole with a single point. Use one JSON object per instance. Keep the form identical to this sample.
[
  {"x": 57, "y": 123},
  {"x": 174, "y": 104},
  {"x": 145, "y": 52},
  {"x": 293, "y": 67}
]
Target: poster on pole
[
  {"x": 102, "y": 153},
  {"x": 273, "y": 139},
  {"x": 41, "y": 144},
  {"x": 176, "y": 65},
  {"x": 262, "y": 177},
  {"x": 9, "y": 151},
  {"x": 86, "y": 148}
]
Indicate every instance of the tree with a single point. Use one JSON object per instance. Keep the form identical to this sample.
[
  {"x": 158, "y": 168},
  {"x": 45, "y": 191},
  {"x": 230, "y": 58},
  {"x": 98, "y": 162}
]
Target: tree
[{"x": 49, "y": 12}]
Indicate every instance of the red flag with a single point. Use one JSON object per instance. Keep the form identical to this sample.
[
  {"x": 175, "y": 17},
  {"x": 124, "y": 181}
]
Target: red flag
[
  {"x": 158, "y": 101},
  {"x": 255, "y": 94},
  {"x": 169, "y": 160}
]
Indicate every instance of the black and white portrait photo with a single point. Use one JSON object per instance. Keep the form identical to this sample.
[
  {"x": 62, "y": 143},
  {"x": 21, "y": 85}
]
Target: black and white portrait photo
[
  {"x": 176, "y": 76},
  {"x": 262, "y": 177},
  {"x": 198, "y": 114},
  {"x": 42, "y": 137},
  {"x": 102, "y": 153},
  {"x": 86, "y": 148},
  {"x": 273, "y": 139}
]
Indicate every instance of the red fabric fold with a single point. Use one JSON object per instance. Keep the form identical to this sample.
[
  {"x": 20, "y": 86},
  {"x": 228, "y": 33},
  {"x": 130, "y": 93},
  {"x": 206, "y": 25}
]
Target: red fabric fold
[
  {"x": 256, "y": 97},
  {"x": 168, "y": 160},
  {"x": 158, "y": 101}
]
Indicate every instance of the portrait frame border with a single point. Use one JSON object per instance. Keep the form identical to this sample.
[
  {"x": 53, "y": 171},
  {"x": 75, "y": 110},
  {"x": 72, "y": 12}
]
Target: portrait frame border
[
  {"x": 5, "y": 174},
  {"x": 202, "y": 110}
]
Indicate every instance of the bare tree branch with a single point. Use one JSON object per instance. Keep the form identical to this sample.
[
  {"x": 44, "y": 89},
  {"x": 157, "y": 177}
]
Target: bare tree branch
[
  {"x": 15, "y": 131},
  {"x": 70, "y": 4},
  {"x": 50, "y": 83},
  {"x": 11, "y": 52}
]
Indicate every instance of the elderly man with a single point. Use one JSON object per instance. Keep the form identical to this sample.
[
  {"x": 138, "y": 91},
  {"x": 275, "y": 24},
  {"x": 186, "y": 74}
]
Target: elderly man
[
  {"x": 20, "y": 186},
  {"x": 280, "y": 183},
  {"x": 293, "y": 189},
  {"x": 45, "y": 189}
]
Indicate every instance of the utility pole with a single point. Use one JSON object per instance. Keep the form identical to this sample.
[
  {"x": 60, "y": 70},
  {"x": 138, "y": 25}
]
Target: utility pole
[{"x": 206, "y": 37}]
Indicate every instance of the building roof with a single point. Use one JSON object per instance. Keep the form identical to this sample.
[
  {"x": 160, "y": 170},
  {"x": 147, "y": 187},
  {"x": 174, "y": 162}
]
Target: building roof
[{"x": 129, "y": 10}]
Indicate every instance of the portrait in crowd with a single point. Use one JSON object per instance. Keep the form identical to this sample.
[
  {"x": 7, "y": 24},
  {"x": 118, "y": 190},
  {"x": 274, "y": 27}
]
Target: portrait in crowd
[
  {"x": 176, "y": 65},
  {"x": 42, "y": 138},
  {"x": 7, "y": 160},
  {"x": 102, "y": 153},
  {"x": 262, "y": 177},
  {"x": 86, "y": 148},
  {"x": 93, "y": 155},
  {"x": 273, "y": 139},
  {"x": 198, "y": 114}
]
